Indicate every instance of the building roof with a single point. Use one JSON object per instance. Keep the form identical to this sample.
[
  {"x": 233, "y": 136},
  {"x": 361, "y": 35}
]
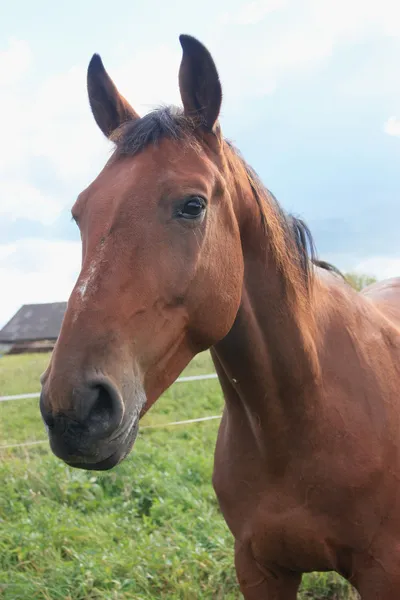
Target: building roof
[{"x": 34, "y": 322}]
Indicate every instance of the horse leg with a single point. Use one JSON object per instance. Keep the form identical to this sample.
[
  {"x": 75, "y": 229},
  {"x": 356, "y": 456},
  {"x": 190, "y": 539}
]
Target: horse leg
[{"x": 260, "y": 583}]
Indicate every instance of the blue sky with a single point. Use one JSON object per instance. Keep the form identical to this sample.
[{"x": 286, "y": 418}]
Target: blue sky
[{"x": 311, "y": 98}]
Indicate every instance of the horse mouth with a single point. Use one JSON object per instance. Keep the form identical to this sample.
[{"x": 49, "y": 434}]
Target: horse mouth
[
  {"x": 123, "y": 445},
  {"x": 104, "y": 465}
]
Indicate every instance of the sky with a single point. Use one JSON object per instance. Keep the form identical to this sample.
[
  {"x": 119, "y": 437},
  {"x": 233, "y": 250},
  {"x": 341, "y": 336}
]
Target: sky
[{"x": 311, "y": 98}]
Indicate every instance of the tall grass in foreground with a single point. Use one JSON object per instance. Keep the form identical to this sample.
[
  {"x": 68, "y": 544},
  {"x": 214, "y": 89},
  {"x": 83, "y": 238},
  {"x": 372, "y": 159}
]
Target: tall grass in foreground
[{"x": 149, "y": 529}]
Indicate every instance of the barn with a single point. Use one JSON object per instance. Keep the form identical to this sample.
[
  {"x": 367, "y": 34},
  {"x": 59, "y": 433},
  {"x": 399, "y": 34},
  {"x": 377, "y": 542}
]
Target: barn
[{"x": 34, "y": 328}]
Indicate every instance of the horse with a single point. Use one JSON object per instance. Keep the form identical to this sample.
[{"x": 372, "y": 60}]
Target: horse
[{"x": 184, "y": 250}]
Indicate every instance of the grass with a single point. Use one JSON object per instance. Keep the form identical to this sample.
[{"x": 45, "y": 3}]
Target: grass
[{"x": 148, "y": 529}]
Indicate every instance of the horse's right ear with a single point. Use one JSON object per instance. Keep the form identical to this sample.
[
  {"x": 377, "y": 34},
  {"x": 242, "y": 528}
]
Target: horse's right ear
[{"x": 109, "y": 108}]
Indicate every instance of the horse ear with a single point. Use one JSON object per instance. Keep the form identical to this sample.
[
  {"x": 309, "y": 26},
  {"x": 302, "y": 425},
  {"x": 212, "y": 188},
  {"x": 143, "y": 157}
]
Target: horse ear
[
  {"x": 199, "y": 83},
  {"x": 109, "y": 108}
]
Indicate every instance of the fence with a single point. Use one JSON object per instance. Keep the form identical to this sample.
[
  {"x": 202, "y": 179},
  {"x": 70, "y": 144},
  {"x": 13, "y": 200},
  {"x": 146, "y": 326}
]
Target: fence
[
  {"x": 156, "y": 426},
  {"x": 180, "y": 380}
]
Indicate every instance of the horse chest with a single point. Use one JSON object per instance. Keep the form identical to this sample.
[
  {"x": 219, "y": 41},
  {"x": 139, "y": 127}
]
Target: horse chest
[
  {"x": 287, "y": 521},
  {"x": 278, "y": 530}
]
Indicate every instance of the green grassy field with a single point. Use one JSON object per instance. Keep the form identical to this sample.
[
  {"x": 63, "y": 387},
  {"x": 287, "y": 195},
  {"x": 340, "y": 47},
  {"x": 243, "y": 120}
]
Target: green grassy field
[{"x": 148, "y": 529}]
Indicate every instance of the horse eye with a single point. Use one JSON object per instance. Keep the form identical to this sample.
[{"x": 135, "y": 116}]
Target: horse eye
[{"x": 193, "y": 208}]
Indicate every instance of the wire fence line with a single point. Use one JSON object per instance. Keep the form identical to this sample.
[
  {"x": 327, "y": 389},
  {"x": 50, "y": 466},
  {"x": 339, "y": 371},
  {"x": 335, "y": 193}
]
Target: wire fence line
[
  {"x": 180, "y": 380},
  {"x": 19, "y": 397},
  {"x": 155, "y": 426}
]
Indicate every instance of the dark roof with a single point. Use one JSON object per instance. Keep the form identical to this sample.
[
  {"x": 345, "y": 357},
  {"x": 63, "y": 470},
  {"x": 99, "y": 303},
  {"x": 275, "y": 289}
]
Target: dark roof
[{"x": 34, "y": 322}]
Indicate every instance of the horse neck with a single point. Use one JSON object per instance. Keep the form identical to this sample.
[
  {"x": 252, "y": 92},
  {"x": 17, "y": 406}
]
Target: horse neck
[{"x": 267, "y": 364}]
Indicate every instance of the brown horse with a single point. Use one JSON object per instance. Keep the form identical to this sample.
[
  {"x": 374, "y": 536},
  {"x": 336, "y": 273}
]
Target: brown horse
[{"x": 183, "y": 250}]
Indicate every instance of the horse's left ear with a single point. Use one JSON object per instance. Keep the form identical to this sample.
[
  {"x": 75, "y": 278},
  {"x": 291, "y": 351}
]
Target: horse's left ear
[
  {"x": 109, "y": 107},
  {"x": 199, "y": 83}
]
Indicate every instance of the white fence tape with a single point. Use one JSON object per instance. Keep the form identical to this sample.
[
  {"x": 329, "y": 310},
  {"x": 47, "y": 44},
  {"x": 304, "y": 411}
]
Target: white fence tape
[
  {"x": 19, "y": 397},
  {"x": 180, "y": 380}
]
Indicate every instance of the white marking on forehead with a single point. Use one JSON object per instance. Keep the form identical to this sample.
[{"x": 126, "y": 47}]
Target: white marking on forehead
[
  {"x": 87, "y": 282},
  {"x": 92, "y": 271}
]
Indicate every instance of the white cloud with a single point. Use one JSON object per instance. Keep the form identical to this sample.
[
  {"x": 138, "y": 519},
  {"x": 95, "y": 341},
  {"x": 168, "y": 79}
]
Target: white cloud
[
  {"x": 306, "y": 34},
  {"x": 353, "y": 20},
  {"x": 54, "y": 119},
  {"x": 65, "y": 132},
  {"x": 22, "y": 200},
  {"x": 253, "y": 12},
  {"x": 149, "y": 78},
  {"x": 14, "y": 62},
  {"x": 392, "y": 126},
  {"x": 376, "y": 77},
  {"x": 382, "y": 267},
  {"x": 339, "y": 18},
  {"x": 34, "y": 271},
  {"x": 14, "y": 105}
]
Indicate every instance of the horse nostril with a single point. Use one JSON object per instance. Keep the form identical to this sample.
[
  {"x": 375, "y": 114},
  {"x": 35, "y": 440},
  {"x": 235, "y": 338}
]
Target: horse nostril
[
  {"x": 95, "y": 408},
  {"x": 106, "y": 410}
]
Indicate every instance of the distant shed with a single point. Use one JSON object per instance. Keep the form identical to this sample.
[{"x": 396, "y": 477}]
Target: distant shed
[{"x": 34, "y": 328}]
